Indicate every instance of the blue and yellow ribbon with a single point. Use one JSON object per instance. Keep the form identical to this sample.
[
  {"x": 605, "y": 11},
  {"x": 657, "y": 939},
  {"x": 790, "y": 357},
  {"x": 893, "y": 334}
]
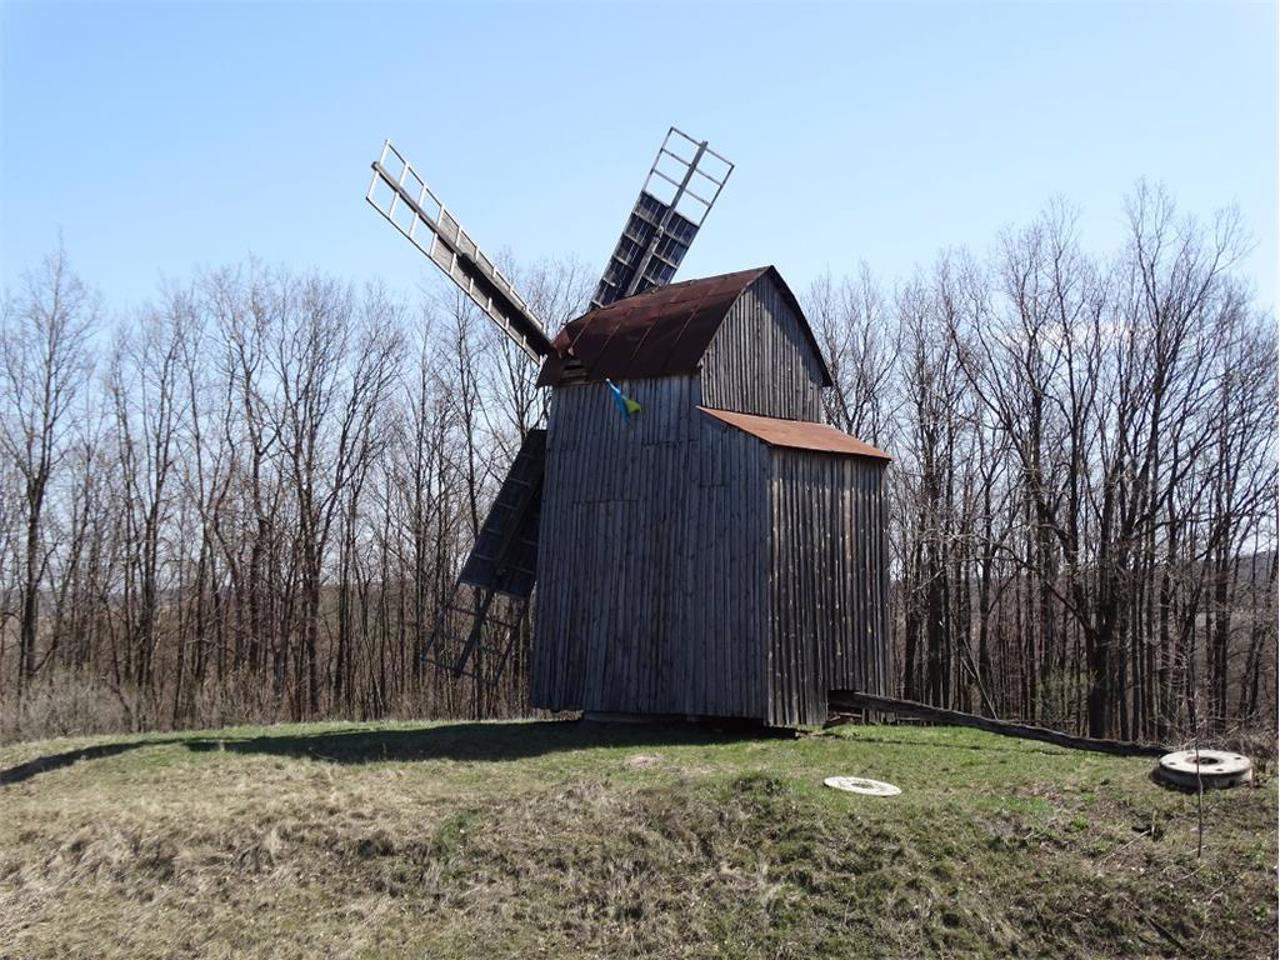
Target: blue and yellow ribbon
[{"x": 626, "y": 406}]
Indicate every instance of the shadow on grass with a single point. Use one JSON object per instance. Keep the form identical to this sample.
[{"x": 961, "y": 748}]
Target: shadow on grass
[
  {"x": 475, "y": 741},
  {"x": 25, "y": 771},
  {"x": 448, "y": 741}
]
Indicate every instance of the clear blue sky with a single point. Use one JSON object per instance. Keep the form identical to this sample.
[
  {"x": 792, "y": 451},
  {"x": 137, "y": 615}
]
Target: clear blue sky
[{"x": 160, "y": 137}]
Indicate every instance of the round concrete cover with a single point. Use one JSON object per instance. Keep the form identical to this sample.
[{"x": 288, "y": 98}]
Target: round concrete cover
[
  {"x": 1216, "y": 768},
  {"x": 872, "y": 788}
]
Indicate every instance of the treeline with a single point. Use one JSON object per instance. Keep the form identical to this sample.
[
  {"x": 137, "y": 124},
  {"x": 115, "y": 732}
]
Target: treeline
[
  {"x": 249, "y": 501},
  {"x": 1084, "y": 499}
]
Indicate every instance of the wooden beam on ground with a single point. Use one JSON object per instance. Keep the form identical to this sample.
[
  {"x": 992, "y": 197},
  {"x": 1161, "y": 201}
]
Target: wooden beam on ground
[{"x": 839, "y": 700}]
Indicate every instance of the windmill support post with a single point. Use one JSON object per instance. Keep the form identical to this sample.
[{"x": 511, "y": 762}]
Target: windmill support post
[{"x": 848, "y": 700}]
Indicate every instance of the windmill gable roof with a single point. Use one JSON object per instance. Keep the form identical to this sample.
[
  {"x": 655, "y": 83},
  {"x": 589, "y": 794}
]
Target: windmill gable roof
[
  {"x": 797, "y": 434},
  {"x": 663, "y": 332}
]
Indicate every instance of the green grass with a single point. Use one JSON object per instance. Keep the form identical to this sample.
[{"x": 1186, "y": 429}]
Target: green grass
[{"x": 557, "y": 839}]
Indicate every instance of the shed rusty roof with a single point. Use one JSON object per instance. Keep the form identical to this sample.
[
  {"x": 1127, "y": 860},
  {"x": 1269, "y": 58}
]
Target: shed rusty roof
[
  {"x": 662, "y": 332},
  {"x": 797, "y": 434}
]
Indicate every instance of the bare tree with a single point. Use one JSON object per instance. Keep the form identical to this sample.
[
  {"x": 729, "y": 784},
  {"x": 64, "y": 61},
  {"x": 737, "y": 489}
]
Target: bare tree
[{"x": 44, "y": 364}]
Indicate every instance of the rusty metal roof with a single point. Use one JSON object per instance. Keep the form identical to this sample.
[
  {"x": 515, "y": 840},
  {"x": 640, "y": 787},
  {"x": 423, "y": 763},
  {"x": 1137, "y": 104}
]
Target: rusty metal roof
[
  {"x": 659, "y": 333},
  {"x": 797, "y": 434}
]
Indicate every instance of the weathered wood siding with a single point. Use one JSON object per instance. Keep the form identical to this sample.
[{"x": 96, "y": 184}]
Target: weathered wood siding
[
  {"x": 761, "y": 361},
  {"x": 652, "y": 558},
  {"x": 685, "y": 567},
  {"x": 730, "y": 615},
  {"x": 829, "y": 582}
]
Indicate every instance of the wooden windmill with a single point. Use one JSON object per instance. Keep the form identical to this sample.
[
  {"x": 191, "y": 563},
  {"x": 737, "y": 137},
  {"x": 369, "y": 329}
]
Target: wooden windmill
[{"x": 719, "y": 552}]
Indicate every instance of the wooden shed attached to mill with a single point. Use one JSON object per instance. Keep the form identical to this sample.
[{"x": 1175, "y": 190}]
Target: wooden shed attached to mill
[{"x": 721, "y": 552}]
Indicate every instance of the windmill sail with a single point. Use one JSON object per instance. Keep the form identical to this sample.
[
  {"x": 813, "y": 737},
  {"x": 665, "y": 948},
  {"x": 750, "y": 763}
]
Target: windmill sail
[
  {"x": 505, "y": 555},
  {"x": 503, "y": 563},
  {"x": 683, "y": 184},
  {"x": 404, "y": 198}
]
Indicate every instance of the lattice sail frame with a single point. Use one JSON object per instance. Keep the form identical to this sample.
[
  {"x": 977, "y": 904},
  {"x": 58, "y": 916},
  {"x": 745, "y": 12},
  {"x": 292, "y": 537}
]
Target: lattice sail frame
[
  {"x": 666, "y": 217},
  {"x": 403, "y": 198}
]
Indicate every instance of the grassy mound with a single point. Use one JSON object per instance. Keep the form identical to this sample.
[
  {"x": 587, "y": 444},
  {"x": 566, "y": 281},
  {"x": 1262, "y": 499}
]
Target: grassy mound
[{"x": 568, "y": 840}]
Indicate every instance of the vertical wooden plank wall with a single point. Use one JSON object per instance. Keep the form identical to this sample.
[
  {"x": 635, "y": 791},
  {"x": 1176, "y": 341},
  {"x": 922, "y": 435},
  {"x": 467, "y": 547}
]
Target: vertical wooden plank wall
[
  {"x": 828, "y": 622},
  {"x": 761, "y": 362},
  {"x": 652, "y": 559},
  {"x": 730, "y": 613}
]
